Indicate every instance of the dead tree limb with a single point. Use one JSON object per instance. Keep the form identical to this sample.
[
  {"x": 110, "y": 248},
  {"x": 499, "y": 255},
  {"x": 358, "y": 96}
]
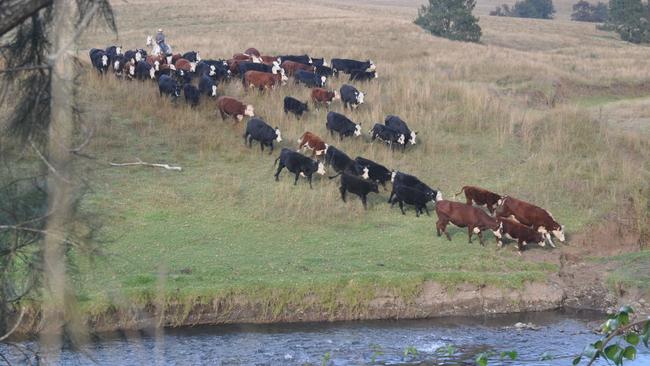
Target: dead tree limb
[{"x": 143, "y": 163}]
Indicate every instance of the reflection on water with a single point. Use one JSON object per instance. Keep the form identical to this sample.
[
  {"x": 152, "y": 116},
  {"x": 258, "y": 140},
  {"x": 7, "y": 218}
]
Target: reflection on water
[{"x": 403, "y": 342}]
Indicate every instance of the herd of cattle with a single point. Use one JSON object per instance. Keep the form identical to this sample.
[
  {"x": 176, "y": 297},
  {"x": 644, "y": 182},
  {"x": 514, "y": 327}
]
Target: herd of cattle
[{"x": 187, "y": 73}]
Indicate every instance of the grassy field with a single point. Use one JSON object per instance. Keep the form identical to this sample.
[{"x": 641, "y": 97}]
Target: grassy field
[{"x": 529, "y": 112}]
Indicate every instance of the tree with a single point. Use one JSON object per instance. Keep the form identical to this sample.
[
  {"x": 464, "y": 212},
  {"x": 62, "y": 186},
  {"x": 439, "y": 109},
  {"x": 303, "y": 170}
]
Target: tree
[
  {"x": 451, "y": 19},
  {"x": 585, "y": 12},
  {"x": 541, "y": 9},
  {"x": 629, "y": 18}
]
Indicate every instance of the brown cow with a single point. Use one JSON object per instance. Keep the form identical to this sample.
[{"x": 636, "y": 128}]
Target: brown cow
[
  {"x": 270, "y": 60},
  {"x": 533, "y": 216},
  {"x": 324, "y": 96},
  {"x": 252, "y": 52},
  {"x": 480, "y": 197},
  {"x": 156, "y": 61},
  {"x": 310, "y": 141},
  {"x": 185, "y": 65},
  {"x": 262, "y": 80},
  {"x": 524, "y": 235},
  {"x": 229, "y": 106},
  {"x": 290, "y": 67},
  {"x": 463, "y": 215}
]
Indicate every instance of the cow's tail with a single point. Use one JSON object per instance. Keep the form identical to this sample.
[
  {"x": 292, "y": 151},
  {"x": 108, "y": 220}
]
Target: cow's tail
[
  {"x": 335, "y": 175},
  {"x": 461, "y": 191}
]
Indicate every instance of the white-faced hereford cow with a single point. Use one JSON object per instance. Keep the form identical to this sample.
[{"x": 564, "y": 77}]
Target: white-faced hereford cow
[
  {"x": 310, "y": 141},
  {"x": 530, "y": 215},
  {"x": 229, "y": 106},
  {"x": 480, "y": 197},
  {"x": 463, "y": 215}
]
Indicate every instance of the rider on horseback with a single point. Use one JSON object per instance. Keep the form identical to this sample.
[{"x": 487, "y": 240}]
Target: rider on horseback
[{"x": 160, "y": 40}]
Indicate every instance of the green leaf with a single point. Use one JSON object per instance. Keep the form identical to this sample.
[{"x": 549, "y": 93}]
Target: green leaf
[
  {"x": 630, "y": 353},
  {"x": 513, "y": 355},
  {"x": 482, "y": 359},
  {"x": 623, "y": 318},
  {"x": 590, "y": 351},
  {"x": 546, "y": 356},
  {"x": 632, "y": 338},
  {"x": 626, "y": 309},
  {"x": 611, "y": 351},
  {"x": 611, "y": 325},
  {"x": 577, "y": 360}
]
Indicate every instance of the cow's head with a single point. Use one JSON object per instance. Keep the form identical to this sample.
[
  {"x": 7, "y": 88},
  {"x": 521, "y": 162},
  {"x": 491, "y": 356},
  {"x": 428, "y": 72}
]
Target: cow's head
[
  {"x": 360, "y": 98},
  {"x": 325, "y": 62},
  {"x": 499, "y": 229},
  {"x": 366, "y": 173},
  {"x": 357, "y": 130},
  {"x": 392, "y": 176},
  {"x": 372, "y": 66},
  {"x": 414, "y": 134},
  {"x": 249, "y": 111},
  {"x": 213, "y": 71},
  {"x": 192, "y": 66},
  {"x": 402, "y": 139},
  {"x": 173, "y": 67},
  {"x": 337, "y": 95},
  {"x": 278, "y": 136},
  {"x": 118, "y": 50},
  {"x": 131, "y": 69},
  {"x": 321, "y": 168},
  {"x": 214, "y": 91},
  {"x": 198, "y": 56},
  {"x": 239, "y": 117},
  {"x": 438, "y": 196},
  {"x": 310, "y": 60},
  {"x": 152, "y": 73},
  {"x": 323, "y": 79},
  {"x": 156, "y": 65},
  {"x": 558, "y": 232},
  {"x": 275, "y": 69},
  {"x": 283, "y": 77},
  {"x": 375, "y": 74},
  {"x": 116, "y": 65},
  {"x": 138, "y": 56},
  {"x": 256, "y": 59},
  {"x": 149, "y": 41},
  {"x": 105, "y": 61}
]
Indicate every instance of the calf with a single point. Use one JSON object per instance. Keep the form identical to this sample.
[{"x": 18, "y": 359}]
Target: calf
[
  {"x": 362, "y": 75},
  {"x": 401, "y": 126},
  {"x": 399, "y": 178},
  {"x": 341, "y": 124},
  {"x": 320, "y": 96},
  {"x": 99, "y": 59},
  {"x": 144, "y": 71},
  {"x": 533, "y": 216},
  {"x": 480, "y": 197},
  {"x": 207, "y": 86},
  {"x": 376, "y": 172},
  {"x": 229, "y": 106},
  {"x": 167, "y": 85},
  {"x": 411, "y": 196},
  {"x": 258, "y": 130},
  {"x": 351, "y": 96},
  {"x": 358, "y": 186},
  {"x": 294, "y": 106},
  {"x": 342, "y": 163},
  {"x": 192, "y": 56},
  {"x": 185, "y": 65},
  {"x": 312, "y": 142},
  {"x": 387, "y": 135},
  {"x": 347, "y": 65},
  {"x": 291, "y": 67},
  {"x": 262, "y": 80},
  {"x": 191, "y": 94},
  {"x": 310, "y": 79},
  {"x": 299, "y": 165},
  {"x": 524, "y": 235},
  {"x": 463, "y": 215}
]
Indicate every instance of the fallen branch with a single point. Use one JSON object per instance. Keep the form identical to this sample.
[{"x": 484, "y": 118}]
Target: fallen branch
[{"x": 140, "y": 162}]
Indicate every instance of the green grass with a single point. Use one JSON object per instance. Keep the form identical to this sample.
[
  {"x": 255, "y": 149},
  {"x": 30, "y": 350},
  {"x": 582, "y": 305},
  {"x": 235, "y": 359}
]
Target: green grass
[{"x": 633, "y": 271}]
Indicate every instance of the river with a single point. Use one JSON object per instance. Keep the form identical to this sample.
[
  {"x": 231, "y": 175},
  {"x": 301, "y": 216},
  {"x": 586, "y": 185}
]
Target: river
[{"x": 403, "y": 342}]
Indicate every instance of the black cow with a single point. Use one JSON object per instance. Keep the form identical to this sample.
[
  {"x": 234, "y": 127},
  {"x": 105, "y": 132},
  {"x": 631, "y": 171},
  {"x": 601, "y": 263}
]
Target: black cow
[
  {"x": 303, "y": 59},
  {"x": 318, "y": 61},
  {"x": 298, "y": 164},
  {"x": 167, "y": 85},
  {"x": 258, "y": 130},
  {"x": 362, "y": 75},
  {"x": 294, "y": 106},
  {"x": 342, "y": 163},
  {"x": 113, "y": 52},
  {"x": 324, "y": 71},
  {"x": 218, "y": 67},
  {"x": 341, "y": 124},
  {"x": 192, "y": 56},
  {"x": 144, "y": 71},
  {"x": 183, "y": 76},
  {"x": 254, "y": 66},
  {"x": 207, "y": 86},
  {"x": 118, "y": 64},
  {"x": 99, "y": 59},
  {"x": 310, "y": 79},
  {"x": 135, "y": 55},
  {"x": 401, "y": 126},
  {"x": 388, "y": 135},
  {"x": 191, "y": 94},
  {"x": 376, "y": 172},
  {"x": 347, "y": 65},
  {"x": 358, "y": 186},
  {"x": 351, "y": 96},
  {"x": 399, "y": 178},
  {"x": 412, "y": 196}
]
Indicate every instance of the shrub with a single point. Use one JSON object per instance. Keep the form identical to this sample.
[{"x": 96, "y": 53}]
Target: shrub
[
  {"x": 629, "y": 18},
  {"x": 541, "y": 9},
  {"x": 451, "y": 19},
  {"x": 586, "y": 12}
]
